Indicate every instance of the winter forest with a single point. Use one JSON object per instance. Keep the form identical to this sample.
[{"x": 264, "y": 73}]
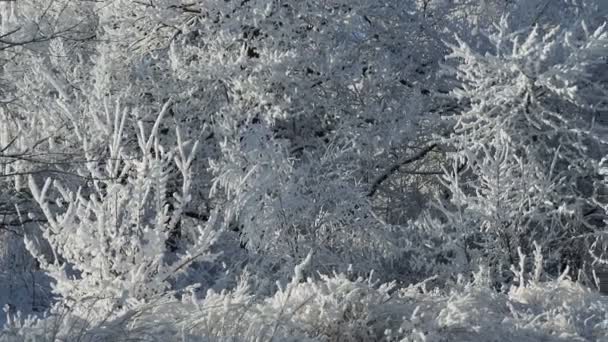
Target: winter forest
[{"x": 303, "y": 170}]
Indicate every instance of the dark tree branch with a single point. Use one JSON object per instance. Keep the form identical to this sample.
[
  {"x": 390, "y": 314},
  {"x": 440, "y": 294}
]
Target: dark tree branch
[
  {"x": 197, "y": 216},
  {"x": 384, "y": 176}
]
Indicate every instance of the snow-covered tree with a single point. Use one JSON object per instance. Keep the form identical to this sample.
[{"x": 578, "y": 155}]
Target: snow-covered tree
[
  {"x": 169, "y": 163},
  {"x": 527, "y": 147}
]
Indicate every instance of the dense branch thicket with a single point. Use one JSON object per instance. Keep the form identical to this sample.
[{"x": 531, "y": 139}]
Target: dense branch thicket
[{"x": 432, "y": 170}]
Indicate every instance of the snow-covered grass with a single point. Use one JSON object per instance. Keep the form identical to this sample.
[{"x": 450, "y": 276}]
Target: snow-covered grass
[{"x": 336, "y": 308}]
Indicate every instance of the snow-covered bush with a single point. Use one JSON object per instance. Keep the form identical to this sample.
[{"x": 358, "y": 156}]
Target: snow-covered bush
[
  {"x": 109, "y": 241},
  {"x": 526, "y": 148}
]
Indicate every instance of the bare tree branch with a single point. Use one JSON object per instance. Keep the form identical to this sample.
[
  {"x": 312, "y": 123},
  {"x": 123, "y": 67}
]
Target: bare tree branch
[{"x": 384, "y": 176}]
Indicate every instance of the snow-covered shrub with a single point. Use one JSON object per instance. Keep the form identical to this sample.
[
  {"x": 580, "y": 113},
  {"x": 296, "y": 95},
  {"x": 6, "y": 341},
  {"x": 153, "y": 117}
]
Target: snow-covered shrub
[
  {"x": 109, "y": 241},
  {"x": 333, "y": 308},
  {"x": 526, "y": 148}
]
